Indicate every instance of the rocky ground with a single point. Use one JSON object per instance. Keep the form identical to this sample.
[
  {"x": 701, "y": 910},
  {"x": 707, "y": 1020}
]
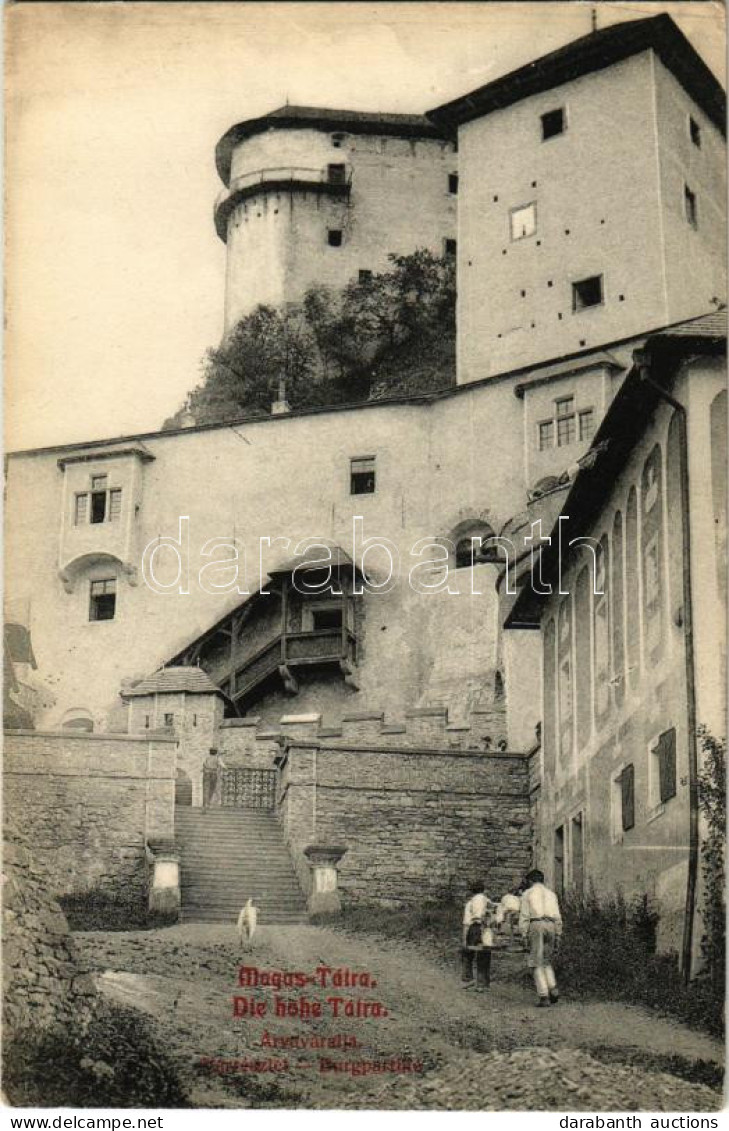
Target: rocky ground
[{"x": 429, "y": 1044}]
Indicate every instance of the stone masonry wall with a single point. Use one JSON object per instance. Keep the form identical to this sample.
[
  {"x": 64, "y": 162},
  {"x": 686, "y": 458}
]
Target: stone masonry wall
[
  {"x": 42, "y": 989},
  {"x": 90, "y": 804},
  {"x": 415, "y": 821}
]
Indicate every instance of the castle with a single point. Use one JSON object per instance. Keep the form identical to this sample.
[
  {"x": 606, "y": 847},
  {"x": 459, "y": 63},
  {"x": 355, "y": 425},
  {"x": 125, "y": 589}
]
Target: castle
[{"x": 580, "y": 248}]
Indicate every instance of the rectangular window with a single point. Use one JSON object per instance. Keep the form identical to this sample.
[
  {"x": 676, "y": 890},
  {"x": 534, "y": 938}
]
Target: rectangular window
[
  {"x": 338, "y": 140},
  {"x": 336, "y": 174},
  {"x": 98, "y": 506},
  {"x": 565, "y": 431},
  {"x": 99, "y": 482},
  {"x": 453, "y": 183},
  {"x": 559, "y": 861},
  {"x": 627, "y": 797},
  {"x": 115, "y": 505},
  {"x": 334, "y": 237},
  {"x": 449, "y": 248},
  {"x": 553, "y": 123},
  {"x": 169, "y": 720},
  {"x": 102, "y": 604},
  {"x": 546, "y": 435},
  {"x": 689, "y": 200},
  {"x": 695, "y": 132},
  {"x": 523, "y": 221},
  {"x": 665, "y": 752},
  {"x": 365, "y": 276},
  {"x": 587, "y": 424},
  {"x": 362, "y": 476},
  {"x": 146, "y": 722},
  {"x": 577, "y": 853},
  {"x": 81, "y": 513},
  {"x": 565, "y": 406},
  {"x": 326, "y": 619},
  {"x": 586, "y": 293}
]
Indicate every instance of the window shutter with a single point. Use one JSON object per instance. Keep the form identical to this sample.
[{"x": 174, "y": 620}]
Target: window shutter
[
  {"x": 667, "y": 765},
  {"x": 115, "y": 505},
  {"x": 82, "y": 509},
  {"x": 627, "y": 797}
]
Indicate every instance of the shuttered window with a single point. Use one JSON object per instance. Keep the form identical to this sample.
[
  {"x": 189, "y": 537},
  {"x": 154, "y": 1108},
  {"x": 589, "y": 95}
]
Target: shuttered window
[
  {"x": 82, "y": 509},
  {"x": 115, "y": 505},
  {"x": 666, "y": 751},
  {"x": 627, "y": 797}
]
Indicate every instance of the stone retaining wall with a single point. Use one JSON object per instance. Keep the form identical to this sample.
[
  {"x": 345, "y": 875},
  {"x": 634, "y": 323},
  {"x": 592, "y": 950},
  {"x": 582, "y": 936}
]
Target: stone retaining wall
[
  {"x": 415, "y": 821},
  {"x": 90, "y": 804}
]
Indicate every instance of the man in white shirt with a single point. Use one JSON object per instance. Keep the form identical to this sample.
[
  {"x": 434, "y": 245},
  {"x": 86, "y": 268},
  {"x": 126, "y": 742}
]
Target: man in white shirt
[
  {"x": 540, "y": 922},
  {"x": 477, "y": 940}
]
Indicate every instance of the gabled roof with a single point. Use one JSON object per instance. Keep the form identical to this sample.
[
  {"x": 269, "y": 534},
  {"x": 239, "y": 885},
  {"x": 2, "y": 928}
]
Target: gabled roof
[
  {"x": 174, "y": 679},
  {"x": 321, "y": 118},
  {"x": 594, "y": 52}
]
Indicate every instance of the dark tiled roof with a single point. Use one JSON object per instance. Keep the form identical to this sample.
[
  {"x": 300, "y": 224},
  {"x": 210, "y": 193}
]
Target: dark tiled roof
[
  {"x": 708, "y": 326},
  {"x": 174, "y": 679},
  {"x": 321, "y": 118},
  {"x": 594, "y": 52}
]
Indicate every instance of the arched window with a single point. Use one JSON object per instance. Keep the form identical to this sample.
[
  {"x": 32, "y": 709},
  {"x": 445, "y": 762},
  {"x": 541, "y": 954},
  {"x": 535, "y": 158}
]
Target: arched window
[
  {"x": 78, "y": 718},
  {"x": 475, "y": 546}
]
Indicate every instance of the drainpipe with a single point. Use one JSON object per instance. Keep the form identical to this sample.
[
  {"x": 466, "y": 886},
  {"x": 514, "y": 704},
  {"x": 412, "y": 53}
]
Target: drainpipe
[{"x": 643, "y": 363}]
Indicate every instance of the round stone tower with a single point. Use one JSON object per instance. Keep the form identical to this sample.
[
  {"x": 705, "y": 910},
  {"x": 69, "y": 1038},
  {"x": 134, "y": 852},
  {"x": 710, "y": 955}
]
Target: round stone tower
[{"x": 315, "y": 196}]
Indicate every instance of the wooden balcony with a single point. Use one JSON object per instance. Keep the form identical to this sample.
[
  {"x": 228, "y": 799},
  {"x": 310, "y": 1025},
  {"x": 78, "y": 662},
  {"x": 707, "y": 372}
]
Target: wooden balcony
[{"x": 285, "y": 654}]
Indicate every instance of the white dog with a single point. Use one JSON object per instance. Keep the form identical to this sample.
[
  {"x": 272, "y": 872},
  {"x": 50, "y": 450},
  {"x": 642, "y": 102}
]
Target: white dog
[{"x": 247, "y": 921}]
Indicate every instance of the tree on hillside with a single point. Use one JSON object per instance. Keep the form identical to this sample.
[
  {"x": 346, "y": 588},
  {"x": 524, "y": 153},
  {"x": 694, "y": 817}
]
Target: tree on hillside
[{"x": 392, "y": 333}]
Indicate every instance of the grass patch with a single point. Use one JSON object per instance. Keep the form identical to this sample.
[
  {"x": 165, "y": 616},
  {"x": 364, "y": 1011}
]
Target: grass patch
[{"x": 116, "y": 1064}]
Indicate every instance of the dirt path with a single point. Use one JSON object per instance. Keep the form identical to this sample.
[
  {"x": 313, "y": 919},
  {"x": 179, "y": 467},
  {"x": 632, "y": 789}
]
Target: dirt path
[{"x": 444, "y": 1047}]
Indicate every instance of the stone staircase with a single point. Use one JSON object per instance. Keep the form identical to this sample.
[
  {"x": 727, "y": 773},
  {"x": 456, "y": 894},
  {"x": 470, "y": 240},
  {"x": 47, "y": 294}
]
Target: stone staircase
[{"x": 230, "y": 855}]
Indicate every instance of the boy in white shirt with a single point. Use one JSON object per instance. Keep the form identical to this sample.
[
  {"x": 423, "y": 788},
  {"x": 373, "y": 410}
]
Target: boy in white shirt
[
  {"x": 477, "y": 940},
  {"x": 540, "y": 922}
]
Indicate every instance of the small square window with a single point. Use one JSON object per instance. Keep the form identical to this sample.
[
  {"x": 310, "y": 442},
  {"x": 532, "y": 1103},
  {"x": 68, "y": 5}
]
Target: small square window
[
  {"x": 365, "y": 276},
  {"x": 689, "y": 200},
  {"x": 546, "y": 435},
  {"x": 334, "y": 237},
  {"x": 336, "y": 174},
  {"x": 695, "y": 132},
  {"x": 553, "y": 123},
  {"x": 453, "y": 183},
  {"x": 565, "y": 406},
  {"x": 449, "y": 248},
  {"x": 103, "y": 599},
  {"x": 338, "y": 140},
  {"x": 587, "y": 424},
  {"x": 587, "y": 293},
  {"x": 523, "y": 221},
  {"x": 99, "y": 482},
  {"x": 326, "y": 619},
  {"x": 362, "y": 476}
]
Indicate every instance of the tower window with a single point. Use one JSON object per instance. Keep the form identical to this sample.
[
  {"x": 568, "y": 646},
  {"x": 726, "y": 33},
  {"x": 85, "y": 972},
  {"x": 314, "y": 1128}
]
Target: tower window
[
  {"x": 689, "y": 200},
  {"x": 364, "y": 275},
  {"x": 338, "y": 140},
  {"x": 695, "y": 132},
  {"x": 553, "y": 123},
  {"x": 362, "y": 475},
  {"x": 334, "y": 237},
  {"x": 449, "y": 248},
  {"x": 102, "y": 605},
  {"x": 523, "y": 221},
  {"x": 587, "y": 293},
  {"x": 453, "y": 183},
  {"x": 336, "y": 174}
]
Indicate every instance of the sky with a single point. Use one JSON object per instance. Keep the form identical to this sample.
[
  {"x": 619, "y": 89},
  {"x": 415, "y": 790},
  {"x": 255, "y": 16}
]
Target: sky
[{"x": 114, "y": 275}]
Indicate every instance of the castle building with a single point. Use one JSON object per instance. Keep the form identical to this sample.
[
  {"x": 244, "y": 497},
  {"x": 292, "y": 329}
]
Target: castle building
[
  {"x": 320, "y": 565},
  {"x": 323, "y": 197}
]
